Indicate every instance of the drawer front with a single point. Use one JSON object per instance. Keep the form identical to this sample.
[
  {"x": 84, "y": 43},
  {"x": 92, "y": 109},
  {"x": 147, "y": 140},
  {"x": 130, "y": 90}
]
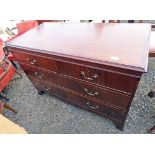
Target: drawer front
[
  {"x": 108, "y": 96},
  {"x": 108, "y": 79},
  {"x": 35, "y": 60},
  {"x": 81, "y": 101}
]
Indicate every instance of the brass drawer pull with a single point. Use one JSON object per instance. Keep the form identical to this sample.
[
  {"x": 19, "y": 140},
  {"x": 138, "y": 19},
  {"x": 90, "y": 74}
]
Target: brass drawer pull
[
  {"x": 40, "y": 76},
  {"x": 90, "y": 93},
  {"x": 92, "y": 106},
  {"x": 88, "y": 78},
  {"x": 32, "y": 62}
]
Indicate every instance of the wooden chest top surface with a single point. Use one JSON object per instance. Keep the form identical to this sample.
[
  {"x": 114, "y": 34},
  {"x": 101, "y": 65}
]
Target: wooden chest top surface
[{"x": 124, "y": 45}]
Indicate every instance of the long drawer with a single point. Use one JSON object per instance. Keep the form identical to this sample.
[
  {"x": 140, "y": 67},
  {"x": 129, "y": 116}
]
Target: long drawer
[
  {"x": 78, "y": 100},
  {"x": 109, "y": 79},
  {"x": 108, "y": 96}
]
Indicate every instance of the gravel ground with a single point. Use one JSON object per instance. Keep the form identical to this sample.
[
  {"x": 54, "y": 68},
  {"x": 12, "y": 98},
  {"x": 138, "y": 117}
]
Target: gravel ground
[{"x": 46, "y": 114}]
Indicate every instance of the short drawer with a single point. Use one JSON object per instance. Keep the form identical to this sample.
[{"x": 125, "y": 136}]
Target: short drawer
[
  {"x": 35, "y": 60},
  {"x": 105, "y": 78},
  {"x": 108, "y": 96},
  {"x": 81, "y": 101}
]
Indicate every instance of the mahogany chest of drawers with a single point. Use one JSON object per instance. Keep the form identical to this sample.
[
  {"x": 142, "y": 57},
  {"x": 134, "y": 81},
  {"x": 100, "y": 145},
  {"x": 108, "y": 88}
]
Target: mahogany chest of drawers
[{"x": 93, "y": 66}]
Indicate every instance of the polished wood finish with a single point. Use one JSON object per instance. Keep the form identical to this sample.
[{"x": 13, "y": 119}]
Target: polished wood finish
[
  {"x": 34, "y": 60},
  {"x": 109, "y": 96},
  {"x": 80, "y": 100},
  {"x": 94, "y": 66},
  {"x": 88, "y": 41}
]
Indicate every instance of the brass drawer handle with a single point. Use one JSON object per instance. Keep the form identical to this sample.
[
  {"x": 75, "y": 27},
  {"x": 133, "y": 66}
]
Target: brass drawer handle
[
  {"x": 31, "y": 61},
  {"x": 40, "y": 76},
  {"x": 90, "y": 93},
  {"x": 92, "y": 106},
  {"x": 88, "y": 78}
]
